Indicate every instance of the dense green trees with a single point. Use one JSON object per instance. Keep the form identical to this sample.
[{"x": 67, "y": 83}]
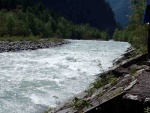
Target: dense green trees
[
  {"x": 135, "y": 32},
  {"x": 22, "y": 18},
  {"x": 97, "y": 13}
]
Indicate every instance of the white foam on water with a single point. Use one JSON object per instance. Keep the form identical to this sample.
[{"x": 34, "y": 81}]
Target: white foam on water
[{"x": 33, "y": 80}]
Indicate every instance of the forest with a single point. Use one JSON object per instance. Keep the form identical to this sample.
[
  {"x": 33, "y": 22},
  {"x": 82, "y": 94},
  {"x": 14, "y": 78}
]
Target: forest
[
  {"x": 136, "y": 32},
  {"x": 25, "y": 18},
  {"x": 97, "y": 13}
]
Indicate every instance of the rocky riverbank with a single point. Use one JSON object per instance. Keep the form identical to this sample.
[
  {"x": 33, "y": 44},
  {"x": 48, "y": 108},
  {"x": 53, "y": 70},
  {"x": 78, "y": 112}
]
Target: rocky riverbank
[
  {"x": 125, "y": 88},
  {"x": 13, "y": 46}
]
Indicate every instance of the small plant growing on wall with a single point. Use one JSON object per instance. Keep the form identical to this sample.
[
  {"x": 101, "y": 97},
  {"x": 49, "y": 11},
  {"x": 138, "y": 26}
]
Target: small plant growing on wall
[
  {"x": 147, "y": 110},
  {"x": 132, "y": 71},
  {"x": 108, "y": 79},
  {"x": 80, "y": 103}
]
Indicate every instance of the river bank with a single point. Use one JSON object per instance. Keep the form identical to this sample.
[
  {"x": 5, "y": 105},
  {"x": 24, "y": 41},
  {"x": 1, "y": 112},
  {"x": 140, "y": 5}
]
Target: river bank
[
  {"x": 14, "y": 46},
  {"x": 127, "y": 89}
]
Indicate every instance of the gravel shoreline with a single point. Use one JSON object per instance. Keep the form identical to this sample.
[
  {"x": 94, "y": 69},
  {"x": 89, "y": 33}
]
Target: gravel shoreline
[{"x": 10, "y": 46}]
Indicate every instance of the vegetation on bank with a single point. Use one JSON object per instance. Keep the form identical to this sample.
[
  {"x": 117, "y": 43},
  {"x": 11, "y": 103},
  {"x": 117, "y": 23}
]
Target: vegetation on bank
[
  {"x": 135, "y": 33},
  {"x": 100, "y": 82},
  {"x": 147, "y": 110},
  {"x": 79, "y": 103},
  {"x": 19, "y": 38},
  {"x": 29, "y": 38},
  {"x": 23, "y": 19}
]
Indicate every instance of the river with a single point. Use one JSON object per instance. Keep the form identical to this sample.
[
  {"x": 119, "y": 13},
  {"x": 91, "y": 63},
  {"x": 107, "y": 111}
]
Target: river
[{"x": 31, "y": 81}]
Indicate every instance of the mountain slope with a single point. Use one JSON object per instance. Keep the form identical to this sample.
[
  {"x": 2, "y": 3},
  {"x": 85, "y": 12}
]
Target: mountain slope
[
  {"x": 121, "y": 9},
  {"x": 96, "y": 12},
  {"x": 24, "y": 18}
]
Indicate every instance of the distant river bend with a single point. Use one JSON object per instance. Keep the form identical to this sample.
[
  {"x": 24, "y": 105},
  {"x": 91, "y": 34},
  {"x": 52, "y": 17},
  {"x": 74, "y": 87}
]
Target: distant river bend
[{"x": 31, "y": 81}]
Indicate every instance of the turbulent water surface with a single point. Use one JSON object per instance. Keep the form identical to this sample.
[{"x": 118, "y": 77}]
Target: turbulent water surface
[{"x": 31, "y": 81}]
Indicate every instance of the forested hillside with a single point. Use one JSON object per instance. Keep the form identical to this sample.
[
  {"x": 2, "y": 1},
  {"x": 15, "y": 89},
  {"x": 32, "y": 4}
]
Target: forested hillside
[
  {"x": 121, "y": 10},
  {"x": 136, "y": 31},
  {"x": 27, "y": 17},
  {"x": 96, "y": 12}
]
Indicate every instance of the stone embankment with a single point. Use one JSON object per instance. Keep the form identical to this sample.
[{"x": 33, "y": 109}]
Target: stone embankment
[
  {"x": 128, "y": 92},
  {"x": 13, "y": 46}
]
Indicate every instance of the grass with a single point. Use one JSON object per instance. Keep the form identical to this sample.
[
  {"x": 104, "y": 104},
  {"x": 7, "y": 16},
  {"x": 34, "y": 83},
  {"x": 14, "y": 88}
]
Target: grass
[
  {"x": 90, "y": 91},
  {"x": 19, "y": 38},
  {"x": 147, "y": 110},
  {"x": 80, "y": 103},
  {"x": 108, "y": 79},
  {"x": 132, "y": 71},
  {"x": 100, "y": 82},
  {"x": 29, "y": 38},
  {"x": 105, "y": 79},
  {"x": 49, "y": 110}
]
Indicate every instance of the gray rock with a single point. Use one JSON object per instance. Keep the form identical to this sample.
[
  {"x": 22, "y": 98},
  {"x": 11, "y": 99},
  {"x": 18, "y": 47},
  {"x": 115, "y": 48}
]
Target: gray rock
[
  {"x": 132, "y": 97},
  {"x": 8, "y": 46},
  {"x": 131, "y": 85}
]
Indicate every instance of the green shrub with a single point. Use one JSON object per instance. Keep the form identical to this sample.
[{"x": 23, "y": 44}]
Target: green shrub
[
  {"x": 147, "y": 110},
  {"x": 135, "y": 33},
  {"x": 37, "y": 20},
  {"x": 80, "y": 103},
  {"x": 19, "y": 38},
  {"x": 132, "y": 71},
  {"x": 108, "y": 79}
]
